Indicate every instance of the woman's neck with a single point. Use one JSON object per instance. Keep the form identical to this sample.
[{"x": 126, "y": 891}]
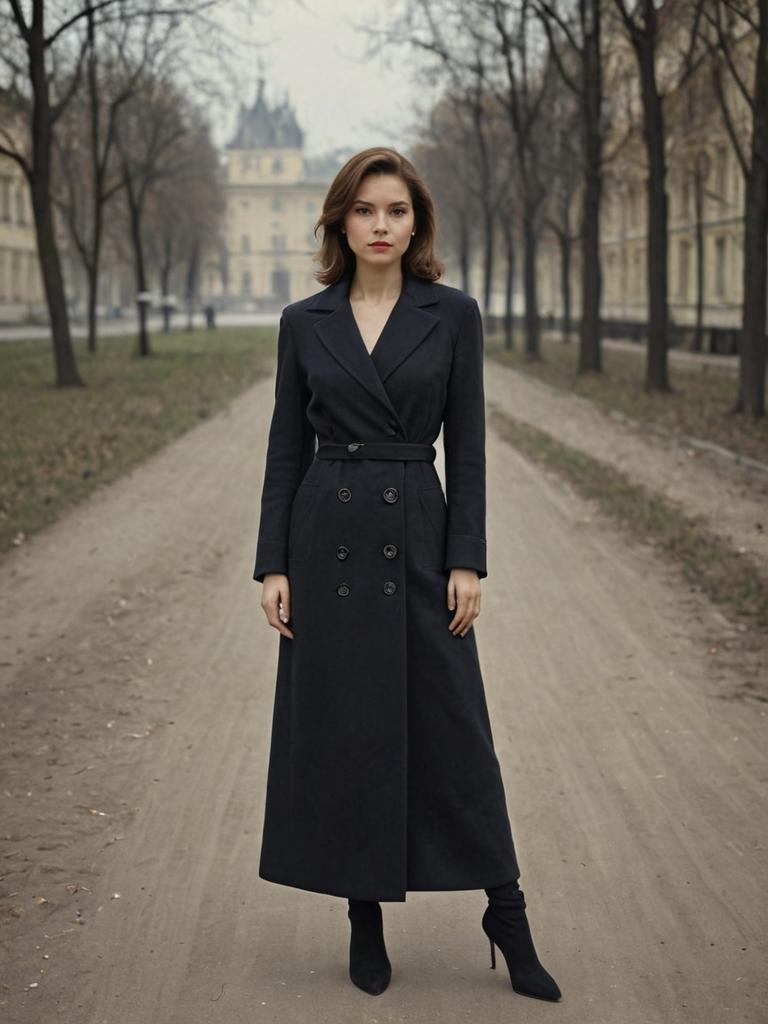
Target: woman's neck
[{"x": 376, "y": 286}]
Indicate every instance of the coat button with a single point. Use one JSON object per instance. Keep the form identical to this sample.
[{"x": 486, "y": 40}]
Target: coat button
[
  {"x": 390, "y": 587},
  {"x": 343, "y": 589},
  {"x": 344, "y": 494},
  {"x": 342, "y": 552},
  {"x": 390, "y": 550},
  {"x": 391, "y": 431},
  {"x": 391, "y": 427},
  {"x": 390, "y": 494}
]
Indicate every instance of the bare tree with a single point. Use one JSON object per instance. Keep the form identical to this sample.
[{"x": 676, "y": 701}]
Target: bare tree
[
  {"x": 185, "y": 209},
  {"x": 579, "y": 34},
  {"x": 562, "y": 163},
  {"x": 86, "y": 148},
  {"x": 46, "y": 48},
  {"x": 149, "y": 134},
  {"x": 443, "y": 29},
  {"x": 527, "y": 78},
  {"x": 642, "y": 27},
  {"x": 733, "y": 30}
]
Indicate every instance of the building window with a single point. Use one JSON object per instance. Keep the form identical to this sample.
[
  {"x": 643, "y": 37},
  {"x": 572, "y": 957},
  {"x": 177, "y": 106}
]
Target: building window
[
  {"x": 686, "y": 199},
  {"x": 720, "y": 267},
  {"x": 721, "y": 173},
  {"x": 245, "y": 244},
  {"x": 310, "y": 207},
  {"x": 277, "y": 165},
  {"x": 5, "y": 199},
  {"x": 684, "y": 269},
  {"x": 16, "y": 277},
  {"x": 277, "y": 203},
  {"x": 278, "y": 242},
  {"x": 246, "y": 284},
  {"x": 21, "y": 211}
]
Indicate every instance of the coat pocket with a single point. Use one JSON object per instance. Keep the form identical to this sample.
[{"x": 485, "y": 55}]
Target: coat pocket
[
  {"x": 301, "y": 530},
  {"x": 434, "y": 519}
]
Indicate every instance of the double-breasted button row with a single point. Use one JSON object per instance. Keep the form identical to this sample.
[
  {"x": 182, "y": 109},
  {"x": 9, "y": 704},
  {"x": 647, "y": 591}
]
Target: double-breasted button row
[
  {"x": 389, "y": 551},
  {"x": 389, "y": 588},
  {"x": 389, "y": 494}
]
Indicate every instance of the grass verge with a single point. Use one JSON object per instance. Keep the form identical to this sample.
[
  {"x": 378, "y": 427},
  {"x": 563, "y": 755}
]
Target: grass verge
[
  {"x": 730, "y": 580},
  {"x": 58, "y": 444}
]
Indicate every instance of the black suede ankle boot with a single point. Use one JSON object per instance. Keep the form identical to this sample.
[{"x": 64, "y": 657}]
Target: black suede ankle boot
[
  {"x": 369, "y": 966},
  {"x": 505, "y": 923}
]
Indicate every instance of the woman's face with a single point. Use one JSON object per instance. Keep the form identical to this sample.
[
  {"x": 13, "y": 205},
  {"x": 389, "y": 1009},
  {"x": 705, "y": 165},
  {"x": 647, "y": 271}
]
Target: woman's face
[{"x": 381, "y": 213}]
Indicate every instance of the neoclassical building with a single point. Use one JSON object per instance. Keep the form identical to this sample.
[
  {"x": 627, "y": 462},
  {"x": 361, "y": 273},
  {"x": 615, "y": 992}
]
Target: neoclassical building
[
  {"x": 21, "y": 292},
  {"x": 705, "y": 196},
  {"x": 273, "y": 199}
]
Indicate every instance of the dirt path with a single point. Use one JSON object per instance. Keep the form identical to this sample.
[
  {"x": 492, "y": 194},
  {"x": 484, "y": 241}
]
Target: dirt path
[
  {"x": 733, "y": 498},
  {"x": 137, "y": 683}
]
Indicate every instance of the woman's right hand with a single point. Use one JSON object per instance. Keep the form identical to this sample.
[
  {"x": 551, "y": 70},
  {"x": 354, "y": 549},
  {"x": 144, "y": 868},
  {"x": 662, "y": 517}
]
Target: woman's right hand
[{"x": 276, "y": 598}]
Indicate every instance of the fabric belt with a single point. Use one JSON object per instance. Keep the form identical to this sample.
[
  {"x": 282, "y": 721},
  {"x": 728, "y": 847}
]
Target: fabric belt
[{"x": 395, "y": 450}]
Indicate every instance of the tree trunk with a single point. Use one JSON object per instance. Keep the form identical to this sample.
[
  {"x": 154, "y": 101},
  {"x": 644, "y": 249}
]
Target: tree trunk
[
  {"x": 698, "y": 334},
  {"x": 489, "y": 222},
  {"x": 192, "y": 275},
  {"x": 566, "y": 248},
  {"x": 656, "y": 378},
  {"x": 509, "y": 291},
  {"x": 590, "y": 356},
  {"x": 532, "y": 327},
  {"x": 141, "y": 274},
  {"x": 93, "y": 285},
  {"x": 65, "y": 365},
  {"x": 464, "y": 253},
  {"x": 752, "y": 363}
]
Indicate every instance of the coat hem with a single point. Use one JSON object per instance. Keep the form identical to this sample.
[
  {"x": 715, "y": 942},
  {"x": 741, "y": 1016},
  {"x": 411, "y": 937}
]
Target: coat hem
[{"x": 401, "y": 896}]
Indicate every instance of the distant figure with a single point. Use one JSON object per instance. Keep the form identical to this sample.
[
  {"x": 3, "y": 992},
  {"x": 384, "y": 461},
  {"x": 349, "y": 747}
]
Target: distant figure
[{"x": 210, "y": 316}]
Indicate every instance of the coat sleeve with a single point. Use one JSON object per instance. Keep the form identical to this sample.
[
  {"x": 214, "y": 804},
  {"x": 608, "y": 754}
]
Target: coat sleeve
[
  {"x": 290, "y": 450},
  {"x": 464, "y": 446}
]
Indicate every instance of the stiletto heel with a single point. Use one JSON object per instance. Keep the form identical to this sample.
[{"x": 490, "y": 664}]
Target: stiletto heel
[{"x": 505, "y": 924}]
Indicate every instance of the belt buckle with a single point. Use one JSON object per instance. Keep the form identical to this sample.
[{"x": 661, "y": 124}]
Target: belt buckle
[{"x": 354, "y": 445}]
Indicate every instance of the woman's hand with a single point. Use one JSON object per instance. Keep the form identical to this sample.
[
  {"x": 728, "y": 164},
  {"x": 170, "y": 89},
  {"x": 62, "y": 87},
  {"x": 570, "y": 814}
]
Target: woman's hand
[
  {"x": 276, "y": 597},
  {"x": 463, "y": 596}
]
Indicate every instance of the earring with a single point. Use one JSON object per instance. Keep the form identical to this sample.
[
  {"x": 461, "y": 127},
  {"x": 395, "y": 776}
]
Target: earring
[{"x": 413, "y": 233}]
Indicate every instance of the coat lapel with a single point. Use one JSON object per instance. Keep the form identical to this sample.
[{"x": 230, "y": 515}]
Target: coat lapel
[{"x": 408, "y": 325}]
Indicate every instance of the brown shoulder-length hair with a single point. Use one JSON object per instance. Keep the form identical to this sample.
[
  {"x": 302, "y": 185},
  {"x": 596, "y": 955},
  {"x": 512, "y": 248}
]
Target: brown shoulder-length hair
[{"x": 335, "y": 256}]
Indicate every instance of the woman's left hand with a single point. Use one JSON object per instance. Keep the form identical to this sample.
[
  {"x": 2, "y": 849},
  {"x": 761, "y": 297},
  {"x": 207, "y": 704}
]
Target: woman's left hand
[{"x": 463, "y": 594}]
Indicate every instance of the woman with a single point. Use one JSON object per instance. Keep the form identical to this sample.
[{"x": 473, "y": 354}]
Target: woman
[{"x": 382, "y": 772}]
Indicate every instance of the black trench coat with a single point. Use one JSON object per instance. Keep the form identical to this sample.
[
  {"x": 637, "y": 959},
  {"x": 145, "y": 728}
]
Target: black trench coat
[{"x": 382, "y": 772}]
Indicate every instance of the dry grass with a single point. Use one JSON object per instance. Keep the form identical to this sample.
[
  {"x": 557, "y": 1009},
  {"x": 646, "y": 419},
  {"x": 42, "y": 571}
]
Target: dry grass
[
  {"x": 698, "y": 406},
  {"x": 57, "y": 445}
]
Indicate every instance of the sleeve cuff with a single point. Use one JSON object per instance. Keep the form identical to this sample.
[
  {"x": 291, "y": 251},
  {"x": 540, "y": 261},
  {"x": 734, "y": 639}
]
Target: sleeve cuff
[
  {"x": 270, "y": 557},
  {"x": 464, "y": 551}
]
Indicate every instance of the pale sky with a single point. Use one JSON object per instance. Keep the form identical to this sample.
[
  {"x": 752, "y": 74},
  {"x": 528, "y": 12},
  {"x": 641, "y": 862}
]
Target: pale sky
[{"x": 312, "y": 50}]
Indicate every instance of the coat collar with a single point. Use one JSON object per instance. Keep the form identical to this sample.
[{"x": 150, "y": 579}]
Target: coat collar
[{"x": 408, "y": 325}]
